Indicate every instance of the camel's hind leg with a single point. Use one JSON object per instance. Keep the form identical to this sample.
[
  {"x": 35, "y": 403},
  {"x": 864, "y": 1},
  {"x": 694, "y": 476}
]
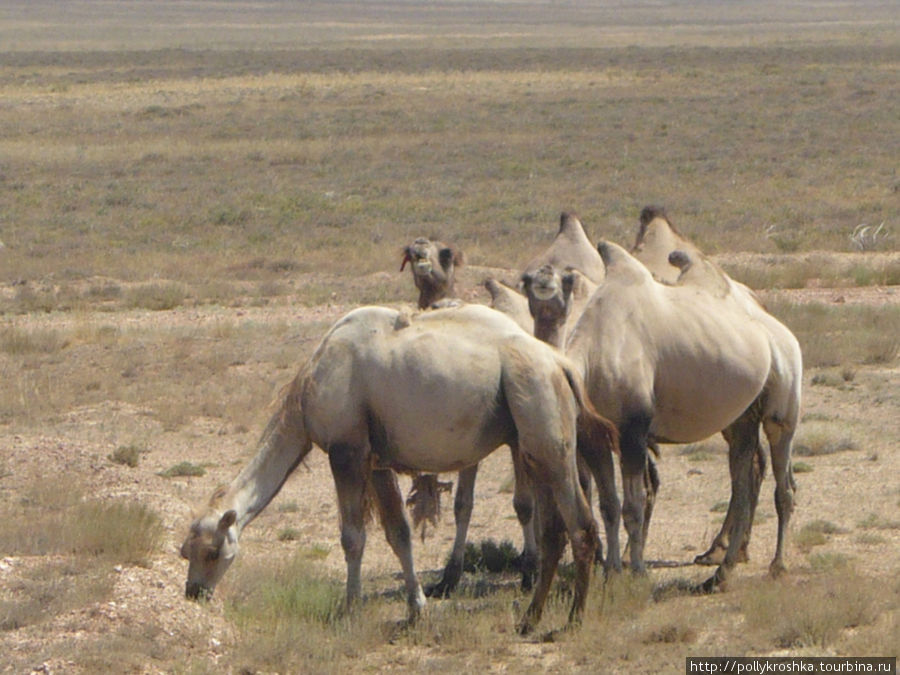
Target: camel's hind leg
[
  {"x": 716, "y": 552},
  {"x": 780, "y": 437},
  {"x": 635, "y": 481},
  {"x": 348, "y": 469},
  {"x": 523, "y": 503},
  {"x": 397, "y": 531}
]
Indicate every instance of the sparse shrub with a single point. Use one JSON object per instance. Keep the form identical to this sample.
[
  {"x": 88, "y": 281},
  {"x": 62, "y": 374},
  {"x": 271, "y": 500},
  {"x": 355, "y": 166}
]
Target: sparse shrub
[
  {"x": 814, "y": 613},
  {"x": 129, "y": 455},
  {"x": 158, "y": 296},
  {"x": 821, "y": 439},
  {"x": 19, "y": 341},
  {"x": 183, "y": 469},
  {"x": 289, "y": 534},
  {"x": 876, "y": 522},
  {"x": 802, "y": 467}
]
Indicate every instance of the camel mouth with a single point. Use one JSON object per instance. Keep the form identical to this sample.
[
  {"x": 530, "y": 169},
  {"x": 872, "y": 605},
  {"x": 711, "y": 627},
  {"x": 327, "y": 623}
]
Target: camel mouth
[
  {"x": 422, "y": 267},
  {"x": 198, "y": 592},
  {"x": 542, "y": 292}
]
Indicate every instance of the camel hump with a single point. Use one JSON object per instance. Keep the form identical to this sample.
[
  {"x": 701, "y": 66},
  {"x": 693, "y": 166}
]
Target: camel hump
[
  {"x": 651, "y": 212},
  {"x": 620, "y": 262},
  {"x": 568, "y": 222}
]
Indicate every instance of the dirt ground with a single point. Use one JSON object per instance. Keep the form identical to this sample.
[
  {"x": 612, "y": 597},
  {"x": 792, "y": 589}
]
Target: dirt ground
[{"x": 148, "y": 606}]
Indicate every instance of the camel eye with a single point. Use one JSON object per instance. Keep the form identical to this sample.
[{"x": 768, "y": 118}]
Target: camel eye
[{"x": 212, "y": 555}]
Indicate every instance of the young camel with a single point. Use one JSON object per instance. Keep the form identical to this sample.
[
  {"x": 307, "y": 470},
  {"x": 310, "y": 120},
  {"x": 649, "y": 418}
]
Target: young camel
[
  {"x": 465, "y": 380},
  {"x": 433, "y": 265},
  {"x": 713, "y": 367},
  {"x": 685, "y": 264}
]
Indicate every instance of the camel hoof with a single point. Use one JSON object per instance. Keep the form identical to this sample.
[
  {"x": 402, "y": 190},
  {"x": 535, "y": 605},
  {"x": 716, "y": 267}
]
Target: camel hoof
[
  {"x": 442, "y": 589},
  {"x": 777, "y": 570},
  {"x": 714, "y": 556}
]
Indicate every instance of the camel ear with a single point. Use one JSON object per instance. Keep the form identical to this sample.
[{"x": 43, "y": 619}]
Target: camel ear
[
  {"x": 227, "y": 520},
  {"x": 450, "y": 256},
  {"x": 527, "y": 280},
  {"x": 679, "y": 259}
]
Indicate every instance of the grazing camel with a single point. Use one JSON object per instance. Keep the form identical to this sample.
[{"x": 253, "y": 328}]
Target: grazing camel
[
  {"x": 691, "y": 267},
  {"x": 433, "y": 266},
  {"x": 464, "y": 381},
  {"x": 676, "y": 364}
]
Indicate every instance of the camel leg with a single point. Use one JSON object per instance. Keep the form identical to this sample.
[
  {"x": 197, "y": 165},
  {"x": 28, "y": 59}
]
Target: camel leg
[
  {"x": 462, "y": 513},
  {"x": 633, "y": 444},
  {"x": 780, "y": 438},
  {"x": 745, "y": 439},
  {"x": 397, "y": 531},
  {"x": 584, "y": 480},
  {"x": 349, "y": 473},
  {"x": 651, "y": 487},
  {"x": 561, "y": 508},
  {"x": 603, "y": 469},
  {"x": 716, "y": 552},
  {"x": 523, "y": 503},
  {"x": 551, "y": 533}
]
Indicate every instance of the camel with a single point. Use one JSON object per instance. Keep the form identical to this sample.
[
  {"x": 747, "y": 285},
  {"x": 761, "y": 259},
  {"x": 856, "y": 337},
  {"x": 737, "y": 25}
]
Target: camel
[
  {"x": 691, "y": 267},
  {"x": 465, "y": 380},
  {"x": 433, "y": 266},
  {"x": 676, "y": 364}
]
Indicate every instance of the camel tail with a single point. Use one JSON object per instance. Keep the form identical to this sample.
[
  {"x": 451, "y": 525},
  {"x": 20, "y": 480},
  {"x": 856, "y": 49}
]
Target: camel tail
[{"x": 595, "y": 432}]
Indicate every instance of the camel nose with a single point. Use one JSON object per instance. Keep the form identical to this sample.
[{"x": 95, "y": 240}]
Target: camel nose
[{"x": 194, "y": 590}]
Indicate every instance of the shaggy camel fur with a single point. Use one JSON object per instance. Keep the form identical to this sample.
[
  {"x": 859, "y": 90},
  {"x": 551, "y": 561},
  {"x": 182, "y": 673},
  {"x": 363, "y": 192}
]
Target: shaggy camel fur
[
  {"x": 676, "y": 364},
  {"x": 465, "y": 380},
  {"x": 433, "y": 266}
]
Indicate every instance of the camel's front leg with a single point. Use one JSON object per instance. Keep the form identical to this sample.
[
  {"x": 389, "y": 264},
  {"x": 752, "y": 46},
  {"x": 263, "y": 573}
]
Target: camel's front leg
[
  {"x": 462, "y": 513},
  {"x": 741, "y": 456},
  {"x": 600, "y": 462},
  {"x": 397, "y": 531},
  {"x": 349, "y": 473},
  {"x": 716, "y": 552}
]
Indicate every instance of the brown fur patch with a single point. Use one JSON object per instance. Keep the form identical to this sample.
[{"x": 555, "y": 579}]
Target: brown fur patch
[{"x": 424, "y": 500}]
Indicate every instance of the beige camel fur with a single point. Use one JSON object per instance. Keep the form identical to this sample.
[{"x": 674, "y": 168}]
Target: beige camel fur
[
  {"x": 465, "y": 380},
  {"x": 571, "y": 248},
  {"x": 508, "y": 300},
  {"x": 433, "y": 266},
  {"x": 696, "y": 269},
  {"x": 676, "y": 364}
]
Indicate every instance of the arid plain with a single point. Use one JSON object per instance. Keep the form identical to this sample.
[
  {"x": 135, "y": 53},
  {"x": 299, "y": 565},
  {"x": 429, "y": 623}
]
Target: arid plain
[{"x": 191, "y": 193}]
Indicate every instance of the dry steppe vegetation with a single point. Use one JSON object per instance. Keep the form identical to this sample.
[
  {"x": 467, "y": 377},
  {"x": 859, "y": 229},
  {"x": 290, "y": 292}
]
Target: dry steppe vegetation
[{"x": 190, "y": 193}]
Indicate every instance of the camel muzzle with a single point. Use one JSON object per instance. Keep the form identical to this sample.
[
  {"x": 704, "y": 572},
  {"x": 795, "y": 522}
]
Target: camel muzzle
[{"x": 196, "y": 591}]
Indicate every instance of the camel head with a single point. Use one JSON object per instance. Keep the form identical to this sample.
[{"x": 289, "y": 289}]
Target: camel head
[
  {"x": 549, "y": 292},
  {"x": 209, "y": 548},
  {"x": 433, "y": 265}
]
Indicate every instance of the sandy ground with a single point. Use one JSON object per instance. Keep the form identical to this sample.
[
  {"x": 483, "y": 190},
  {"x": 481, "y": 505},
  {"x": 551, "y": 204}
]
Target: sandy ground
[{"x": 147, "y": 603}]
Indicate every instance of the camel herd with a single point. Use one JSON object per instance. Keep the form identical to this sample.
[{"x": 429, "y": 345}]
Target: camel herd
[{"x": 602, "y": 354}]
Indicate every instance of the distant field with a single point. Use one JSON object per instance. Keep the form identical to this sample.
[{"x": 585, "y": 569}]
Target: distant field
[{"x": 172, "y": 133}]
